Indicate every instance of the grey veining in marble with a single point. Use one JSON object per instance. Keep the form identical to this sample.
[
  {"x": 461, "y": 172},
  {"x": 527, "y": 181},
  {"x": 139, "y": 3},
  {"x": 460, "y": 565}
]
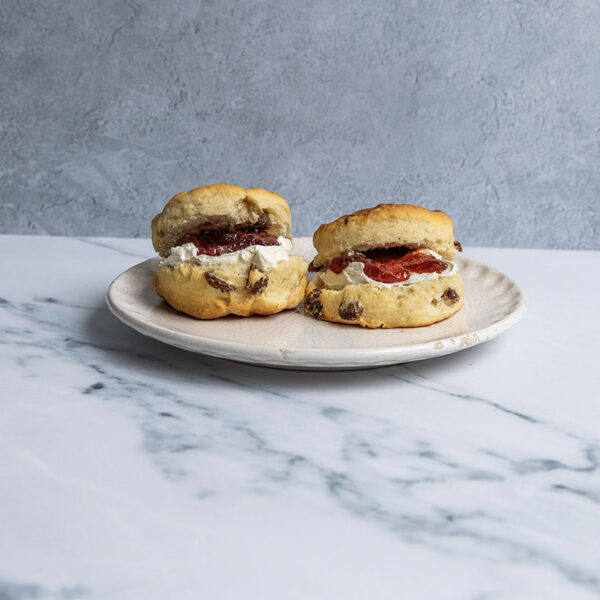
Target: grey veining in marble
[
  {"x": 131, "y": 469},
  {"x": 487, "y": 110}
]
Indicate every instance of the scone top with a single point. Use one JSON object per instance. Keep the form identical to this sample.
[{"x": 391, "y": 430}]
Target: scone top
[
  {"x": 219, "y": 207},
  {"x": 385, "y": 226}
]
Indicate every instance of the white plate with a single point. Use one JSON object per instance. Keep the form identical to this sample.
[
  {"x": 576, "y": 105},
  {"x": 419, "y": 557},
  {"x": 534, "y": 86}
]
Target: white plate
[{"x": 493, "y": 303}]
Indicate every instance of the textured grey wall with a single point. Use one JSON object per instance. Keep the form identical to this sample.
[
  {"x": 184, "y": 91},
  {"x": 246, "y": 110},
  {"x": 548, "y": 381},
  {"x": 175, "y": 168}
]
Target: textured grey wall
[{"x": 488, "y": 110}]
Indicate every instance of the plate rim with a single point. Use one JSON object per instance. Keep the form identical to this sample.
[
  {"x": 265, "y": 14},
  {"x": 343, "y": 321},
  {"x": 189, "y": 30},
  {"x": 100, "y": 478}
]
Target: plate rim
[{"x": 321, "y": 358}]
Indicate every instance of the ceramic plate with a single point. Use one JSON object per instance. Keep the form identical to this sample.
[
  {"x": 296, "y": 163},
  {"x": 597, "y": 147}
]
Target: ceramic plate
[{"x": 493, "y": 303}]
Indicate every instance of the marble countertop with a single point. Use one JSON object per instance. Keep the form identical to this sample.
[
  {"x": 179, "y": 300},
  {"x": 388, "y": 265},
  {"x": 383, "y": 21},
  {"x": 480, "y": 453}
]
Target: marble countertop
[{"x": 131, "y": 469}]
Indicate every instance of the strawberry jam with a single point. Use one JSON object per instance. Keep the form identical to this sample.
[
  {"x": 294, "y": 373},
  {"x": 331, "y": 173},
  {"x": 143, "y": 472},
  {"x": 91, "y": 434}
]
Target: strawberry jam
[
  {"x": 377, "y": 271},
  {"x": 215, "y": 243},
  {"x": 390, "y": 265}
]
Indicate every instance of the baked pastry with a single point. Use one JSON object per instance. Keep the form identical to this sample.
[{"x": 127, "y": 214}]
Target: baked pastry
[
  {"x": 388, "y": 266},
  {"x": 225, "y": 251}
]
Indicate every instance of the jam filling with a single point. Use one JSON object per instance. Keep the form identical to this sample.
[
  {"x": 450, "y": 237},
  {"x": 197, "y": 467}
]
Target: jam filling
[
  {"x": 390, "y": 265},
  {"x": 215, "y": 243}
]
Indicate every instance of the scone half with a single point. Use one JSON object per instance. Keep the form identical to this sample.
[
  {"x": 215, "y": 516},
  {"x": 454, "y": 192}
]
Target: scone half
[
  {"x": 372, "y": 306},
  {"x": 226, "y": 251},
  {"x": 384, "y": 268},
  {"x": 386, "y": 226}
]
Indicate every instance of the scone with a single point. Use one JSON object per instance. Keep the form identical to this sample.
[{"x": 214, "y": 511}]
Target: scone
[
  {"x": 226, "y": 251},
  {"x": 388, "y": 266}
]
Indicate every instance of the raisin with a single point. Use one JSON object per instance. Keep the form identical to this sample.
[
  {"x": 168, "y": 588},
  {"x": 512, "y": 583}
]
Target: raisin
[
  {"x": 257, "y": 281},
  {"x": 350, "y": 311},
  {"x": 312, "y": 304},
  {"x": 458, "y": 245},
  {"x": 217, "y": 283},
  {"x": 451, "y": 296}
]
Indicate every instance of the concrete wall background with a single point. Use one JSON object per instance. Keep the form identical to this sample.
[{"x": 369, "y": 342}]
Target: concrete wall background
[{"x": 487, "y": 110}]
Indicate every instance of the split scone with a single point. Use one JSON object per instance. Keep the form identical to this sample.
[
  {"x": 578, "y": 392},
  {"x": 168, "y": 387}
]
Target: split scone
[
  {"x": 388, "y": 266},
  {"x": 226, "y": 251}
]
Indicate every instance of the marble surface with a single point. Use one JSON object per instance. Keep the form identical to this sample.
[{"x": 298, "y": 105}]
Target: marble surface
[{"x": 131, "y": 469}]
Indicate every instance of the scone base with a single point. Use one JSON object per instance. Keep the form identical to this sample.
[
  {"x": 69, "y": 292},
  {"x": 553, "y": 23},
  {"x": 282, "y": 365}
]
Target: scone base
[
  {"x": 372, "y": 306},
  {"x": 186, "y": 288}
]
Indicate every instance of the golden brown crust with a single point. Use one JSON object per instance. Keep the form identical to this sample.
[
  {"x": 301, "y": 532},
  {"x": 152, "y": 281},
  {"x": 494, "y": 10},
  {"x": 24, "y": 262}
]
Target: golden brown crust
[
  {"x": 209, "y": 293},
  {"x": 219, "y": 206},
  {"x": 383, "y": 226},
  {"x": 372, "y": 306}
]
